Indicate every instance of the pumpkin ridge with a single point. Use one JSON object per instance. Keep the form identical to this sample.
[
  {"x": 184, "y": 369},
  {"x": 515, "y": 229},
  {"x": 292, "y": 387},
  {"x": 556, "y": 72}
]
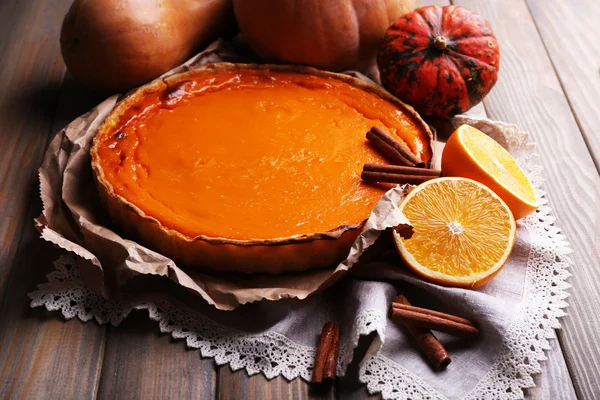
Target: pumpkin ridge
[
  {"x": 360, "y": 48},
  {"x": 421, "y": 12},
  {"x": 440, "y": 11},
  {"x": 458, "y": 109},
  {"x": 400, "y": 56},
  {"x": 456, "y": 64},
  {"x": 476, "y": 60},
  {"x": 449, "y": 13},
  {"x": 460, "y": 39},
  {"x": 404, "y": 69},
  {"x": 429, "y": 13},
  {"x": 401, "y": 28},
  {"x": 439, "y": 72},
  {"x": 408, "y": 43},
  {"x": 473, "y": 85}
]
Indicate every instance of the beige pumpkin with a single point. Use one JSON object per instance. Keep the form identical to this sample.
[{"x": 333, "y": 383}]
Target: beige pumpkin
[
  {"x": 328, "y": 34},
  {"x": 115, "y": 45}
]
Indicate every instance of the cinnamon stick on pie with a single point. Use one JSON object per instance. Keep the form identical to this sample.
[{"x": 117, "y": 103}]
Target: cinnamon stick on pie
[
  {"x": 431, "y": 347},
  {"x": 327, "y": 353},
  {"x": 397, "y": 174},
  {"x": 390, "y": 147}
]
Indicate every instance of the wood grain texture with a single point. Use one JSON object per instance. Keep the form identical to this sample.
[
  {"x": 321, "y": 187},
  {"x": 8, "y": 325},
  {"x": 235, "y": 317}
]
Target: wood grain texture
[
  {"x": 529, "y": 94},
  {"x": 554, "y": 382},
  {"x": 141, "y": 363},
  {"x": 238, "y": 385},
  {"x": 43, "y": 356},
  {"x": 31, "y": 73},
  {"x": 571, "y": 36},
  {"x": 570, "y": 32}
]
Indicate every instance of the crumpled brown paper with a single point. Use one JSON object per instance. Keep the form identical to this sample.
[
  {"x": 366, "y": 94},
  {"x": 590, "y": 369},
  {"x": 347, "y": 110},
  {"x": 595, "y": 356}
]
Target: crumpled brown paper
[{"x": 119, "y": 268}]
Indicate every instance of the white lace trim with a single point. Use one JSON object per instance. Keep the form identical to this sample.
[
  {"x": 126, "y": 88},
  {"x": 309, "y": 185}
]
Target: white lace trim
[
  {"x": 273, "y": 354},
  {"x": 269, "y": 353},
  {"x": 384, "y": 376}
]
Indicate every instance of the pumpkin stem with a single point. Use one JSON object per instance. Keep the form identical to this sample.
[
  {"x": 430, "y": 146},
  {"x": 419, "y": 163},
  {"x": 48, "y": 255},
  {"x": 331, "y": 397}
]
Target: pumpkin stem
[{"x": 440, "y": 42}]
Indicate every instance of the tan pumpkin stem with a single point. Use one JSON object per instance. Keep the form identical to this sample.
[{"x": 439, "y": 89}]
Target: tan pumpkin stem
[{"x": 440, "y": 42}]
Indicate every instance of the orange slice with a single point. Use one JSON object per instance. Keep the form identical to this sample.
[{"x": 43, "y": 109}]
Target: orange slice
[
  {"x": 463, "y": 232},
  {"x": 470, "y": 153}
]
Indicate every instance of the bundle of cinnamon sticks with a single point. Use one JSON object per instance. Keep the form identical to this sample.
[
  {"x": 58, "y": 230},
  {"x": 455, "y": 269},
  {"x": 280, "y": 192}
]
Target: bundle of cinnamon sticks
[{"x": 406, "y": 166}]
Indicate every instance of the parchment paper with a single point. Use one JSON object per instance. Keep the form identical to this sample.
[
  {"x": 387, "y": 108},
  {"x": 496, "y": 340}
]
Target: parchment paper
[{"x": 118, "y": 268}]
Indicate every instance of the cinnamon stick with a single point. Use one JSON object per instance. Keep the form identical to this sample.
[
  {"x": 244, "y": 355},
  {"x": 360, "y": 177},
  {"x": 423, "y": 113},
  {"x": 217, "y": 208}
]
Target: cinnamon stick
[
  {"x": 431, "y": 347},
  {"x": 397, "y": 174},
  {"x": 327, "y": 353},
  {"x": 388, "y": 177},
  {"x": 392, "y": 148},
  {"x": 397, "y": 304},
  {"x": 436, "y": 323},
  {"x": 399, "y": 169},
  {"x": 388, "y": 151}
]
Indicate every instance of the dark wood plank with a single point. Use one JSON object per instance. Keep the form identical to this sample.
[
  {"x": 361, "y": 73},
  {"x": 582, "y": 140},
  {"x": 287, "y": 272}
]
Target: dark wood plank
[
  {"x": 43, "y": 357},
  {"x": 141, "y": 363},
  {"x": 238, "y": 385},
  {"x": 571, "y": 35},
  {"x": 31, "y": 74},
  {"x": 529, "y": 94}
]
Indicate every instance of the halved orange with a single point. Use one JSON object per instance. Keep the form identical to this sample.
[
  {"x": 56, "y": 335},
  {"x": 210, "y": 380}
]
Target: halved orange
[
  {"x": 463, "y": 232},
  {"x": 470, "y": 153}
]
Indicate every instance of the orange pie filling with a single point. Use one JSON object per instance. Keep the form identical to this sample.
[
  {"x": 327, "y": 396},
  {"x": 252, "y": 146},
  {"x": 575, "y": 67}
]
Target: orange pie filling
[{"x": 252, "y": 154}]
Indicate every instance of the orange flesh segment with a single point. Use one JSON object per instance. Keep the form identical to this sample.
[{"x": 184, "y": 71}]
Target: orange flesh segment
[
  {"x": 458, "y": 229},
  {"x": 253, "y": 155},
  {"x": 497, "y": 162}
]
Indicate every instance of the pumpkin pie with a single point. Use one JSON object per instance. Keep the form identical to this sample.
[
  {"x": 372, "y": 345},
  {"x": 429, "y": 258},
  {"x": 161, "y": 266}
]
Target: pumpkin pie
[{"x": 248, "y": 168}]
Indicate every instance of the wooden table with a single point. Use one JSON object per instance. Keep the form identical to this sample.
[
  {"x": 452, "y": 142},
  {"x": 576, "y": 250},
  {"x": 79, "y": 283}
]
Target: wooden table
[{"x": 549, "y": 85}]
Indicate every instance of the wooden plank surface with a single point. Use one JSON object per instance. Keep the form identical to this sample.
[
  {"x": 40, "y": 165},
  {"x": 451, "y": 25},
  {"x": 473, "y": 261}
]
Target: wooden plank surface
[
  {"x": 571, "y": 36},
  {"x": 570, "y": 32},
  {"x": 554, "y": 382},
  {"x": 43, "y": 356},
  {"x": 31, "y": 73},
  {"x": 142, "y": 363},
  {"x": 238, "y": 385},
  {"x": 529, "y": 94}
]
